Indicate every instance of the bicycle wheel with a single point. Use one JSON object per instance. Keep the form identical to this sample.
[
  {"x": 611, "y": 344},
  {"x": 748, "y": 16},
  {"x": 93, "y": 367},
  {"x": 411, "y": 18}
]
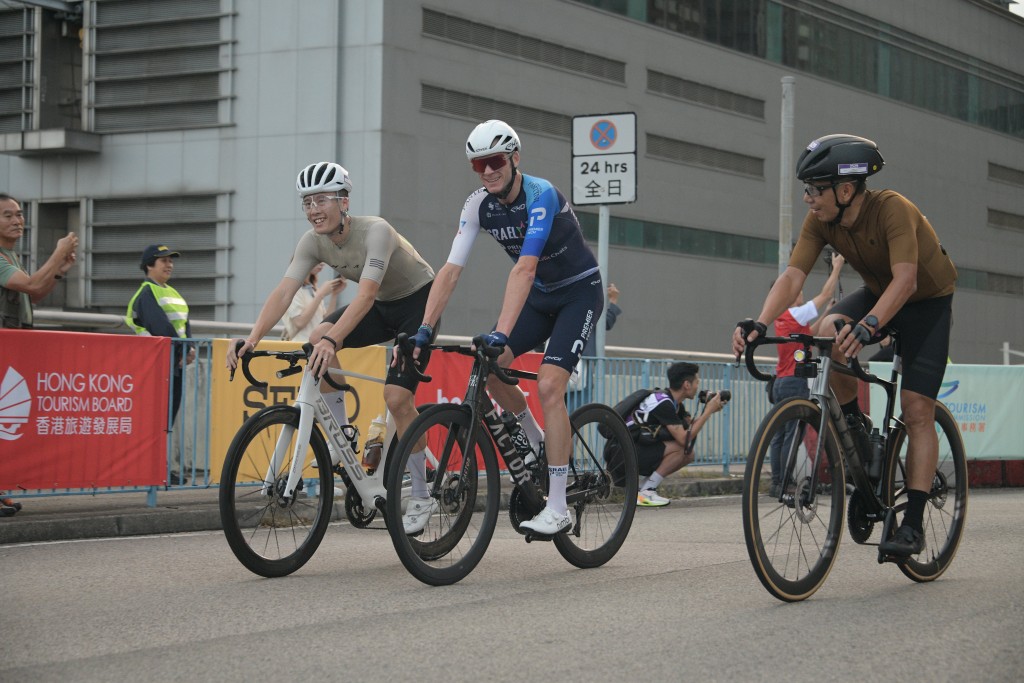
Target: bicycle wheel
[
  {"x": 603, "y": 511},
  {"x": 466, "y": 488},
  {"x": 946, "y": 511},
  {"x": 792, "y": 539},
  {"x": 270, "y": 534}
]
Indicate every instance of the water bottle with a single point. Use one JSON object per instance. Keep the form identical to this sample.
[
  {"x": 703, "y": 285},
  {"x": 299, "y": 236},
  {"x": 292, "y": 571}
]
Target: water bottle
[
  {"x": 519, "y": 438},
  {"x": 374, "y": 442},
  {"x": 877, "y": 455}
]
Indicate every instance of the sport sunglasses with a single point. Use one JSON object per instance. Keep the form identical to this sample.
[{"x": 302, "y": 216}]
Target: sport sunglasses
[{"x": 495, "y": 161}]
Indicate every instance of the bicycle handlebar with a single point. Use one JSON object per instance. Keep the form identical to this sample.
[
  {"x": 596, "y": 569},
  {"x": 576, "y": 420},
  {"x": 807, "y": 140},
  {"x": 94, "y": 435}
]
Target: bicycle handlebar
[
  {"x": 823, "y": 344},
  {"x": 479, "y": 349},
  {"x": 292, "y": 357}
]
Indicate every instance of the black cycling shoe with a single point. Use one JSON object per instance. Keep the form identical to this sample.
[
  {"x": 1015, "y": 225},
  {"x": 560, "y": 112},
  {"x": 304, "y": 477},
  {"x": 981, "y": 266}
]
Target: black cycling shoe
[{"x": 904, "y": 543}]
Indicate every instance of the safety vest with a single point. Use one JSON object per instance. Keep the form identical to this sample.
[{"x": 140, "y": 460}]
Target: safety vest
[{"x": 169, "y": 300}]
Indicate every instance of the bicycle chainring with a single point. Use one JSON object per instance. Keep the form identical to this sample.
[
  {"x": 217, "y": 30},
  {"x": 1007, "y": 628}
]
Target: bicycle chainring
[
  {"x": 518, "y": 510},
  {"x": 857, "y": 520},
  {"x": 359, "y": 515}
]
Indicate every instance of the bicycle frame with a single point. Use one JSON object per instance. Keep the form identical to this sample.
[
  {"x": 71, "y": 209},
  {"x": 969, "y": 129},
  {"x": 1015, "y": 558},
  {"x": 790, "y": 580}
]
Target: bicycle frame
[
  {"x": 832, "y": 413},
  {"x": 481, "y": 408}
]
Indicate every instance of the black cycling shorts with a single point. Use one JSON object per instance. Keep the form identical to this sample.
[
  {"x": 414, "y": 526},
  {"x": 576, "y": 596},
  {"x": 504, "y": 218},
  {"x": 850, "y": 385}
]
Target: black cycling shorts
[
  {"x": 383, "y": 322},
  {"x": 923, "y": 328},
  {"x": 564, "y": 318}
]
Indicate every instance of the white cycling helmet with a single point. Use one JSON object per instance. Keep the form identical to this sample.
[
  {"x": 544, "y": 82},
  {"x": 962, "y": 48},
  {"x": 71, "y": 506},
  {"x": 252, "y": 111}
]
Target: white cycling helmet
[
  {"x": 323, "y": 176},
  {"x": 491, "y": 137}
]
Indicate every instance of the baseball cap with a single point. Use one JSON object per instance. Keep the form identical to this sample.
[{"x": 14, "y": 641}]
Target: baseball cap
[{"x": 155, "y": 251}]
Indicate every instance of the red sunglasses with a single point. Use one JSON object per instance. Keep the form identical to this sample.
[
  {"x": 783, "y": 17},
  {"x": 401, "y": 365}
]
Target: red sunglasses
[{"x": 495, "y": 161}]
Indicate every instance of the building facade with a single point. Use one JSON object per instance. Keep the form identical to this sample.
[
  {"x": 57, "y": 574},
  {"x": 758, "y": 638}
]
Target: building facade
[{"x": 185, "y": 123}]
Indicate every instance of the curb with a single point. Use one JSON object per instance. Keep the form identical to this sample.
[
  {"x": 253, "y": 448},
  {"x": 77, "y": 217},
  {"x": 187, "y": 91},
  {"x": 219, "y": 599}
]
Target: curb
[{"x": 205, "y": 516}]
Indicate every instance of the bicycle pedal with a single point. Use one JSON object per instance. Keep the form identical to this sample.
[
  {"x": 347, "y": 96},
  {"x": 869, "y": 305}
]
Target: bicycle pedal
[{"x": 531, "y": 537}]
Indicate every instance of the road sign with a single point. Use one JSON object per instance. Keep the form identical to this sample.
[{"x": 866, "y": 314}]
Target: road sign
[{"x": 604, "y": 159}]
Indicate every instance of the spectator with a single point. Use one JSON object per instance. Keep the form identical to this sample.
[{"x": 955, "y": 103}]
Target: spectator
[
  {"x": 611, "y": 314},
  {"x": 158, "y": 310},
  {"x": 664, "y": 442},
  {"x": 308, "y": 308},
  {"x": 795, "y": 320},
  {"x": 18, "y": 289}
]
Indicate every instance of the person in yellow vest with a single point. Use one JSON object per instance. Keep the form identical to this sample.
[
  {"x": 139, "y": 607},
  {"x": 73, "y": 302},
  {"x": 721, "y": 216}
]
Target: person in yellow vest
[{"x": 158, "y": 310}]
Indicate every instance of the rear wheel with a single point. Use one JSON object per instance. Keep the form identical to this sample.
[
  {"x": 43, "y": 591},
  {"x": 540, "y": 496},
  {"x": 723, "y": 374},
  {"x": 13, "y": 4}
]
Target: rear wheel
[
  {"x": 945, "y": 513},
  {"x": 465, "y": 491},
  {"x": 270, "y": 533},
  {"x": 602, "y": 508},
  {"x": 792, "y": 537}
]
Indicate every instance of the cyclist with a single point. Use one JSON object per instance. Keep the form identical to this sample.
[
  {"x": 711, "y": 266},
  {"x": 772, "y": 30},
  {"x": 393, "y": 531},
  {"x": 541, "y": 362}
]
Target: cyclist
[
  {"x": 554, "y": 292},
  {"x": 909, "y": 282},
  {"x": 393, "y": 284}
]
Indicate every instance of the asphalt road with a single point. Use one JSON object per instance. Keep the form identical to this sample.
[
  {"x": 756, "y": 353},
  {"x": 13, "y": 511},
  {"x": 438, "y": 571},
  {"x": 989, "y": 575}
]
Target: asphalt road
[{"x": 679, "y": 603}]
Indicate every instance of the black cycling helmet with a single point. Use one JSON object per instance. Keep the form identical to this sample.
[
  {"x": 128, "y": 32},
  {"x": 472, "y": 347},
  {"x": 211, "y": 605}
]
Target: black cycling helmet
[{"x": 839, "y": 158}]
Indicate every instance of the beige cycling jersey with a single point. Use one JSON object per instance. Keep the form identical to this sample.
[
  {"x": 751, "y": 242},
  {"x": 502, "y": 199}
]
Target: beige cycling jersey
[
  {"x": 372, "y": 249},
  {"x": 889, "y": 229}
]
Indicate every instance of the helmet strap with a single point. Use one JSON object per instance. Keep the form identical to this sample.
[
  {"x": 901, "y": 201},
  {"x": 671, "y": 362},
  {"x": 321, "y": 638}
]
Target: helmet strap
[
  {"x": 843, "y": 207},
  {"x": 512, "y": 181}
]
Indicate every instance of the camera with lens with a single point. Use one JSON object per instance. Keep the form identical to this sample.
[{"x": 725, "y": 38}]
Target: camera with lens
[{"x": 704, "y": 396}]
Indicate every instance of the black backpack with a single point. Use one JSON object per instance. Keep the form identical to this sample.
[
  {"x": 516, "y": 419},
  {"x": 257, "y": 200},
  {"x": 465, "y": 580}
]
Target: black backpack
[
  {"x": 612, "y": 449},
  {"x": 625, "y": 408}
]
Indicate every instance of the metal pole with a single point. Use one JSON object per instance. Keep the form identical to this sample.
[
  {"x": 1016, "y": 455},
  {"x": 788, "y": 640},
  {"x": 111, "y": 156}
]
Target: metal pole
[{"x": 786, "y": 172}]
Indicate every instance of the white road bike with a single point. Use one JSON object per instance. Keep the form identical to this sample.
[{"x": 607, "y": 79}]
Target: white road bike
[{"x": 277, "y": 485}]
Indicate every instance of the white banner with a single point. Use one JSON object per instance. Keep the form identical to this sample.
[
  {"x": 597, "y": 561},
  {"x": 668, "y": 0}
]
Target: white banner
[{"x": 987, "y": 402}]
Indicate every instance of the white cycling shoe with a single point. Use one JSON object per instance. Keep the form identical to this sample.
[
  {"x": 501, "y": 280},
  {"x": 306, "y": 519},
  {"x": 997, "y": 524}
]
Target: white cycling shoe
[
  {"x": 548, "y": 522},
  {"x": 417, "y": 513}
]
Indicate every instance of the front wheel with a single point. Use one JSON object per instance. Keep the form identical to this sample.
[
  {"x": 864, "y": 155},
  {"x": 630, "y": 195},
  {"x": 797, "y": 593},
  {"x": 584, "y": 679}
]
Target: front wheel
[
  {"x": 602, "y": 495},
  {"x": 945, "y": 512},
  {"x": 464, "y": 494},
  {"x": 270, "y": 533},
  {"x": 793, "y": 526}
]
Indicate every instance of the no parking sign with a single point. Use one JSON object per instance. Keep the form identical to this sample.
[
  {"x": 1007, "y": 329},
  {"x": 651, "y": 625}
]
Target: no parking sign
[{"x": 604, "y": 159}]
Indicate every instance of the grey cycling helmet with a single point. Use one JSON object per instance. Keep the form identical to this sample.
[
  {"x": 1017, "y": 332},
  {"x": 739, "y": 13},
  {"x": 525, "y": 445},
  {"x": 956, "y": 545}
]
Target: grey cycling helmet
[
  {"x": 839, "y": 158},
  {"x": 323, "y": 176},
  {"x": 491, "y": 137}
]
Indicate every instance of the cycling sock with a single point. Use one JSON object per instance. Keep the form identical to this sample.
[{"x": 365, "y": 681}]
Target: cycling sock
[
  {"x": 851, "y": 408},
  {"x": 418, "y": 474},
  {"x": 653, "y": 481},
  {"x": 533, "y": 431},
  {"x": 336, "y": 402},
  {"x": 914, "y": 515},
  {"x": 557, "y": 476}
]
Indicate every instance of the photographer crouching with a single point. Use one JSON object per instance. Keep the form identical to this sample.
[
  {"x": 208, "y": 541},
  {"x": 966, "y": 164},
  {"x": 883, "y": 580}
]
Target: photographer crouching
[{"x": 665, "y": 433}]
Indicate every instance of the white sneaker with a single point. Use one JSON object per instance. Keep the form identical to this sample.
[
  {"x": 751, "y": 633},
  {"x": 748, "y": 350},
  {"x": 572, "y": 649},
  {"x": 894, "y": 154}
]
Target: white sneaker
[
  {"x": 417, "y": 512},
  {"x": 649, "y": 498},
  {"x": 548, "y": 522}
]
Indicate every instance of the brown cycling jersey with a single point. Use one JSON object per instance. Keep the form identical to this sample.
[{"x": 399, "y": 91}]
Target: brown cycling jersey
[
  {"x": 888, "y": 230},
  {"x": 372, "y": 249}
]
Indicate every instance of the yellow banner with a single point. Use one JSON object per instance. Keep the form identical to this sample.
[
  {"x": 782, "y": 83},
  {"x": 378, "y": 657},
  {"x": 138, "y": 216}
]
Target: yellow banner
[{"x": 233, "y": 402}]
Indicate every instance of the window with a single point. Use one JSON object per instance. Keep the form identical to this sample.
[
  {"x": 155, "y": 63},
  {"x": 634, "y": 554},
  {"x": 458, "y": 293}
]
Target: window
[{"x": 160, "y": 65}]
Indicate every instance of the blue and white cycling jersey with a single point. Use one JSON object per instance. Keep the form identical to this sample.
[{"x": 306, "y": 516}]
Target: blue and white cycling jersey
[{"x": 538, "y": 223}]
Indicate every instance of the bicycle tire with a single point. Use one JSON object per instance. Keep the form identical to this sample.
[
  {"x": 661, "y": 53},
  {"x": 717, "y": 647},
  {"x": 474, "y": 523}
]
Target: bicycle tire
[
  {"x": 604, "y": 512},
  {"x": 791, "y": 542},
  {"x": 457, "y": 535},
  {"x": 270, "y": 536},
  {"x": 943, "y": 523}
]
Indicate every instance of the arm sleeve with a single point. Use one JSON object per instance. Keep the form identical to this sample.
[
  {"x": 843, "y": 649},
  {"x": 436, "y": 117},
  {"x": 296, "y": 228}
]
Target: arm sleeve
[
  {"x": 304, "y": 258},
  {"x": 542, "y": 206},
  {"x": 380, "y": 245},
  {"x": 804, "y": 313},
  {"x": 611, "y": 314},
  {"x": 469, "y": 228}
]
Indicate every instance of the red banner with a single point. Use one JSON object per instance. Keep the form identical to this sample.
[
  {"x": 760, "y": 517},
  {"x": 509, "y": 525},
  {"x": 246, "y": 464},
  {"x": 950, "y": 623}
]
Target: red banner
[
  {"x": 450, "y": 374},
  {"x": 82, "y": 410}
]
